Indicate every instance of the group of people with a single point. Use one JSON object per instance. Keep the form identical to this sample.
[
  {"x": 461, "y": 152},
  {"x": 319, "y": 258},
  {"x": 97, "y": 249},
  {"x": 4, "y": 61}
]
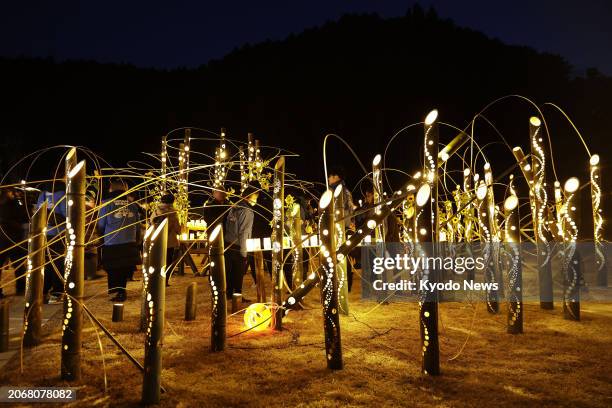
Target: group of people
[{"x": 120, "y": 229}]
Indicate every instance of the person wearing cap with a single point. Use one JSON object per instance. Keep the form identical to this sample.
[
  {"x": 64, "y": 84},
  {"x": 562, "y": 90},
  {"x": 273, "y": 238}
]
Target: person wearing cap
[
  {"x": 119, "y": 225},
  {"x": 13, "y": 214},
  {"x": 238, "y": 228},
  {"x": 165, "y": 209}
]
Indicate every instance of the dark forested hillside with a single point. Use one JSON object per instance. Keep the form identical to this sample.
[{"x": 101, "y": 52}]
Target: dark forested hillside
[{"x": 362, "y": 77}]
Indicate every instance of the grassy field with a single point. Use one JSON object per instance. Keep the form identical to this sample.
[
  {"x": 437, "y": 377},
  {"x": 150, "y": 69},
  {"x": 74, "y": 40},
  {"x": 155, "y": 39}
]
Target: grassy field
[{"x": 554, "y": 363}]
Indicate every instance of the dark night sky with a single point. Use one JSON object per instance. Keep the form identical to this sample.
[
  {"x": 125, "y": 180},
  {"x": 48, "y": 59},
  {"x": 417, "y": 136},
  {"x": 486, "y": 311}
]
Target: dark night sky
[{"x": 180, "y": 33}]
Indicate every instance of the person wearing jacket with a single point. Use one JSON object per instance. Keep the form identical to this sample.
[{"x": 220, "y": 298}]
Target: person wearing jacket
[
  {"x": 119, "y": 225},
  {"x": 13, "y": 214},
  {"x": 165, "y": 209},
  {"x": 55, "y": 197},
  {"x": 238, "y": 228}
]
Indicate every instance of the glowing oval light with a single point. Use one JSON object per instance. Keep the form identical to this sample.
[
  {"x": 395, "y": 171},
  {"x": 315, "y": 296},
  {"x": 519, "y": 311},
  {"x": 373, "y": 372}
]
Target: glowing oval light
[
  {"x": 481, "y": 192},
  {"x": 376, "y": 160},
  {"x": 76, "y": 169},
  {"x": 571, "y": 185},
  {"x": 257, "y": 317},
  {"x": 511, "y": 203},
  {"x": 371, "y": 224},
  {"x": 431, "y": 117},
  {"x": 423, "y": 194},
  {"x": 466, "y": 172},
  {"x": 325, "y": 199},
  {"x": 159, "y": 229},
  {"x": 338, "y": 190},
  {"x": 535, "y": 121},
  {"x": 487, "y": 166},
  {"x": 215, "y": 233},
  {"x": 594, "y": 160}
]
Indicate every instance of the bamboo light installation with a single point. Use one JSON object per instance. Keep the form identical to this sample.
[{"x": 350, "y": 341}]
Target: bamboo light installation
[
  {"x": 342, "y": 260},
  {"x": 220, "y": 159},
  {"x": 218, "y": 313},
  {"x": 468, "y": 216},
  {"x": 278, "y": 228},
  {"x": 512, "y": 243},
  {"x": 296, "y": 238},
  {"x": 156, "y": 298},
  {"x": 539, "y": 213},
  {"x": 329, "y": 283},
  {"x": 244, "y": 175},
  {"x": 380, "y": 231},
  {"x": 74, "y": 274},
  {"x": 492, "y": 242},
  {"x": 144, "y": 308},
  {"x": 600, "y": 259},
  {"x": 427, "y": 198},
  {"x": 32, "y": 314},
  {"x": 571, "y": 264},
  {"x": 164, "y": 163}
]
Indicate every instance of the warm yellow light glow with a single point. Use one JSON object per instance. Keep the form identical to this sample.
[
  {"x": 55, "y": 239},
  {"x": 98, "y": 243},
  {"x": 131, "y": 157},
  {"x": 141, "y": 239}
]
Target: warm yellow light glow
[
  {"x": 215, "y": 233},
  {"x": 338, "y": 190},
  {"x": 571, "y": 185},
  {"x": 594, "y": 160},
  {"x": 431, "y": 117},
  {"x": 511, "y": 203},
  {"x": 481, "y": 192},
  {"x": 535, "y": 121},
  {"x": 376, "y": 160},
  {"x": 257, "y": 317},
  {"x": 423, "y": 194},
  {"x": 325, "y": 199}
]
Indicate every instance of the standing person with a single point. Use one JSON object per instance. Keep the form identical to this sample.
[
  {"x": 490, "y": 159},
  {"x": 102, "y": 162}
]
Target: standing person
[
  {"x": 13, "y": 214},
  {"x": 215, "y": 210},
  {"x": 238, "y": 228},
  {"x": 119, "y": 225},
  {"x": 335, "y": 177},
  {"x": 166, "y": 210},
  {"x": 55, "y": 197}
]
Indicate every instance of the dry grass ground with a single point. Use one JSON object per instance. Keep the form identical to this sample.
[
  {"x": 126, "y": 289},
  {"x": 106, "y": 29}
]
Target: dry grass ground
[{"x": 554, "y": 363}]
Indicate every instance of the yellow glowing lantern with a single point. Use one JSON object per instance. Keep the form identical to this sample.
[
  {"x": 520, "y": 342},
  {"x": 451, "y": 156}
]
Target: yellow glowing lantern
[{"x": 258, "y": 317}]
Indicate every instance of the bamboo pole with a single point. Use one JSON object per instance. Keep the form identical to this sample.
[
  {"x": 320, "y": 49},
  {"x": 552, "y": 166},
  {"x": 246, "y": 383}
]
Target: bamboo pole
[
  {"x": 218, "y": 313},
  {"x": 428, "y": 305},
  {"x": 74, "y": 274},
  {"x": 156, "y": 296},
  {"x": 539, "y": 213},
  {"x": 190, "y": 301},
  {"x": 32, "y": 314},
  {"x": 144, "y": 308},
  {"x": 492, "y": 269},
  {"x": 601, "y": 269},
  {"x": 512, "y": 242},
  {"x": 278, "y": 230},
  {"x": 296, "y": 238},
  {"x": 329, "y": 283},
  {"x": 571, "y": 259},
  {"x": 117, "y": 312},
  {"x": 342, "y": 260}
]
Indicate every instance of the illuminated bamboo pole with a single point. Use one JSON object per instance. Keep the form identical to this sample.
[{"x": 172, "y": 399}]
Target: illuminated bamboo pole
[
  {"x": 164, "y": 163},
  {"x": 512, "y": 241},
  {"x": 539, "y": 213},
  {"x": 32, "y": 314},
  {"x": 156, "y": 297},
  {"x": 144, "y": 308},
  {"x": 74, "y": 272},
  {"x": 468, "y": 216},
  {"x": 493, "y": 243},
  {"x": 452, "y": 148},
  {"x": 428, "y": 304},
  {"x": 380, "y": 232},
  {"x": 349, "y": 244},
  {"x": 218, "y": 313},
  {"x": 342, "y": 260},
  {"x": 571, "y": 260},
  {"x": 296, "y": 230},
  {"x": 250, "y": 156},
  {"x": 596, "y": 196},
  {"x": 278, "y": 222},
  {"x": 244, "y": 174},
  {"x": 117, "y": 312},
  {"x": 329, "y": 282}
]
